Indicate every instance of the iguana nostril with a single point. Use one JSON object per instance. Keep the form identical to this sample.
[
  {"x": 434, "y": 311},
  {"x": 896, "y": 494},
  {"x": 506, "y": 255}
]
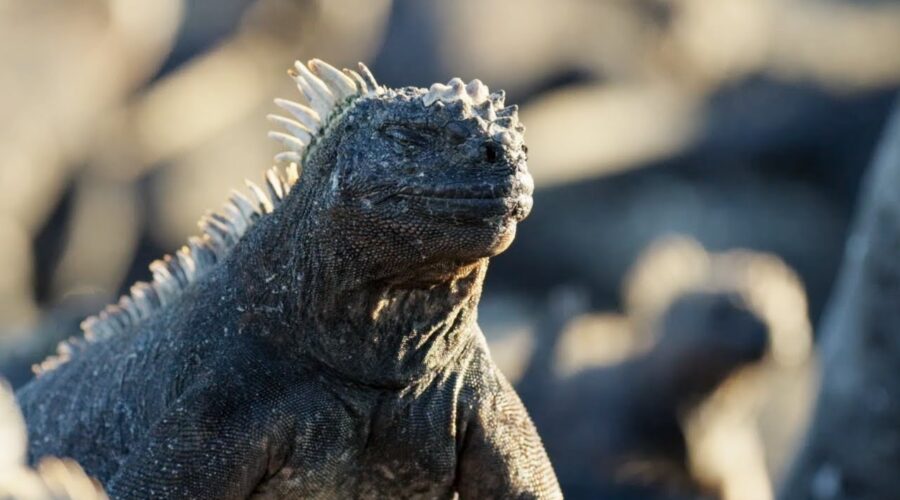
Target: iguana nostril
[{"x": 491, "y": 152}]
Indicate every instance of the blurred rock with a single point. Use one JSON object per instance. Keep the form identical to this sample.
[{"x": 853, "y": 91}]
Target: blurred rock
[{"x": 516, "y": 49}]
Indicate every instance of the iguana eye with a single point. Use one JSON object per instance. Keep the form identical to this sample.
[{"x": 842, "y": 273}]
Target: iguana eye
[
  {"x": 457, "y": 132},
  {"x": 405, "y": 135}
]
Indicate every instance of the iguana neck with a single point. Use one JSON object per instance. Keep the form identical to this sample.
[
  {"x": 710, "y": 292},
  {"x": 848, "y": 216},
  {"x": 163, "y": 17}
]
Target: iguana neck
[
  {"x": 391, "y": 335},
  {"x": 309, "y": 288}
]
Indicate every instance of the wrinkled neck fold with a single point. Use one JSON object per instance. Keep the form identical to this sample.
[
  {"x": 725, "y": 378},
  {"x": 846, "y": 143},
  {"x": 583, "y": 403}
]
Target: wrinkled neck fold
[{"x": 392, "y": 335}]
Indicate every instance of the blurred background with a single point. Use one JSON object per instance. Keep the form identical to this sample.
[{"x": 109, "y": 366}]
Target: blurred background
[{"x": 696, "y": 163}]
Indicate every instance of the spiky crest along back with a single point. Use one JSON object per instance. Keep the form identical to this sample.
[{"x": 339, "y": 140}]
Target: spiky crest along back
[{"x": 329, "y": 93}]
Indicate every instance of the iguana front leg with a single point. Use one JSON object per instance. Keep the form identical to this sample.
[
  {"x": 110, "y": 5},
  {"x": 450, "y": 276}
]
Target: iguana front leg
[
  {"x": 212, "y": 443},
  {"x": 502, "y": 455}
]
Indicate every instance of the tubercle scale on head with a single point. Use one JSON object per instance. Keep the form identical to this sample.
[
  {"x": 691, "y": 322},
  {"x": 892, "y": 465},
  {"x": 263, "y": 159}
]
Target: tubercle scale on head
[{"x": 504, "y": 120}]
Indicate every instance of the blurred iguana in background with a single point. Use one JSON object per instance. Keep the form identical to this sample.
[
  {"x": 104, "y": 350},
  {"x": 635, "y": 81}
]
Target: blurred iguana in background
[{"x": 616, "y": 431}]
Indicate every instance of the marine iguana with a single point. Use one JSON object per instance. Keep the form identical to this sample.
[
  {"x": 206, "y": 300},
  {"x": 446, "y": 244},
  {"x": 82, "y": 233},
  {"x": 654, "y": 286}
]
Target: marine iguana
[{"x": 320, "y": 341}]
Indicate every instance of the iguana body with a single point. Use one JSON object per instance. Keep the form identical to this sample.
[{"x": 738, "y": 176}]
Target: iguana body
[{"x": 327, "y": 347}]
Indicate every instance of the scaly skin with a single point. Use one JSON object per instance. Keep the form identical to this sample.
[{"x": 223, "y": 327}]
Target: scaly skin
[{"x": 335, "y": 352}]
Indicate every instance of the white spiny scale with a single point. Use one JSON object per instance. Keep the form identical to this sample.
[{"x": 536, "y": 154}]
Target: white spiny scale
[
  {"x": 110, "y": 313},
  {"x": 340, "y": 85},
  {"x": 293, "y": 173},
  {"x": 477, "y": 91},
  {"x": 434, "y": 94},
  {"x": 511, "y": 111},
  {"x": 304, "y": 114},
  {"x": 289, "y": 157},
  {"x": 163, "y": 282},
  {"x": 187, "y": 263},
  {"x": 217, "y": 228},
  {"x": 289, "y": 141},
  {"x": 273, "y": 185},
  {"x": 203, "y": 255},
  {"x": 261, "y": 199},
  {"x": 107, "y": 327},
  {"x": 160, "y": 271},
  {"x": 142, "y": 298},
  {"x": 316, "y": 84},
  {"x": 361, "y": 85},
  {"x": 237, "y": 218},
  {"x": 320, "y": 98},
  {"x": 93, "y": 328},
  {"x": 505, "y": 122},
  {"x": 473, "y": 94},
  {"x": 164, "y": 291},
  {"x": 367, "y": 76},
  {"x": 152, "y": 294},
  {"x": 282, "y": 178},
  {"x": 457, "y": 86},
  {"x": 216, "y": 237},
  {"x": 127, "y": 305},
  {"x": 226, "y": 224},
  {"x": 64, "y": 349},
  {"x": 175, "y": 271},
  {"x": 499, "y": 98},
  {"x": 296, "y": 129},
  {"x": 489, "y": 113},
  {"x": 88, "y": 326},
  {"x": 316, "y": 103},
  {"x": 244, "y": 206},
  {"x": 52, "y": 362}
]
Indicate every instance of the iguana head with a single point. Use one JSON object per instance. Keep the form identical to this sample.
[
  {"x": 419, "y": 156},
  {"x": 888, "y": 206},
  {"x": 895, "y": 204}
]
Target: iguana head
[{"x": 425, "y": 176}]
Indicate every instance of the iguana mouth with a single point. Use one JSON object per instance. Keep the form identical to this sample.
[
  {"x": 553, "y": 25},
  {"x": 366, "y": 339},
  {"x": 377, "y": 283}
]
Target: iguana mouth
[
  {"x": 475, "y": 208},
  {"x": 474, "y": 202},
  {"x": 484, "y": 192},
  {"x": 520, "y": 185}
]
